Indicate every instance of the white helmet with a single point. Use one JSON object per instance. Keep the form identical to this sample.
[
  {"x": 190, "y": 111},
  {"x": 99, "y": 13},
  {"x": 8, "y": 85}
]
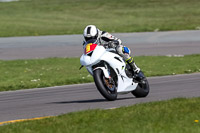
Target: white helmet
[{"x": 90, "y": 32}]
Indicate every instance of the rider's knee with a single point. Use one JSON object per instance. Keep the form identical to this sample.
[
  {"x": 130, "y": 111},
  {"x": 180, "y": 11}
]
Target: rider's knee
[{"x": 120, "y": 51}]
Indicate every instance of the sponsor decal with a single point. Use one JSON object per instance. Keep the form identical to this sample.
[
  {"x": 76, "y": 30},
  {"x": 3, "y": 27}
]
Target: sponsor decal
[{"x": 90, "y": 47}]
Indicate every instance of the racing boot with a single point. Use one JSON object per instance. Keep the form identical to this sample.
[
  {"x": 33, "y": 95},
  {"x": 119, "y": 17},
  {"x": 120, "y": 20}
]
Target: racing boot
[{"x": 131, "y": 62}]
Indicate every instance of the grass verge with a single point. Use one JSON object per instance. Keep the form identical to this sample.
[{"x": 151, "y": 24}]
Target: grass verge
[
  {"x": 24, "y": 74},
  {"x": 50, "y": 17},
  {"x": 173, "y": 116}
]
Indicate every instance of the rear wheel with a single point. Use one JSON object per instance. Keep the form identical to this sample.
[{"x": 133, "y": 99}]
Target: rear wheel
[
  {"x": 142, "y": 89},
  {"x": 106, "y": 87}
]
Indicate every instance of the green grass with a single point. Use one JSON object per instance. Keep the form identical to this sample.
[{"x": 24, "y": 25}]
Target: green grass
[
  {"x": 24, "y": 74},
  {"x": 172, "y": 116},
  {"x": 49, "y": 17}
]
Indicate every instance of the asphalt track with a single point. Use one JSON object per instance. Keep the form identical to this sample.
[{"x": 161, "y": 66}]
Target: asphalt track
[
  {"x": 58, "y": 100},
  {"x": 25, "y": 104},
  {"x": 146, "y": 43}
]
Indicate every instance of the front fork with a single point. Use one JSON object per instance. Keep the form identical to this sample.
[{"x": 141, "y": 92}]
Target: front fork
[{"x": 107, "y": 73}]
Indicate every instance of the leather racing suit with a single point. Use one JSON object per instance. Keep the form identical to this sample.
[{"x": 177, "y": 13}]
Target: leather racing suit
[{"x": 106, "y": 38}]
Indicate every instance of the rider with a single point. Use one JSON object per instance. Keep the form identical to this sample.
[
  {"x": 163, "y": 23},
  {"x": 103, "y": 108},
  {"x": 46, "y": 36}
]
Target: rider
[{"x": 92, "y": 32}]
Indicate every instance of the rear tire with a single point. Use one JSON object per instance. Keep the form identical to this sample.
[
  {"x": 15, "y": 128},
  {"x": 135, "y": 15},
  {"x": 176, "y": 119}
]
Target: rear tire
[
  {"x": 142, "y": 89},
  {"x": 107, "y": 90}
]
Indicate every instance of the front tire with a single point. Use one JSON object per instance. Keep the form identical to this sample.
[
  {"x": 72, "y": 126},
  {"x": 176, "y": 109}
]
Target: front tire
[{"x": 106, "y": 89}]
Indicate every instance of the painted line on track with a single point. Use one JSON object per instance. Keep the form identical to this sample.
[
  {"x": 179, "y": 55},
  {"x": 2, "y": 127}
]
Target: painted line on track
[{"x": 21, "y": 120}]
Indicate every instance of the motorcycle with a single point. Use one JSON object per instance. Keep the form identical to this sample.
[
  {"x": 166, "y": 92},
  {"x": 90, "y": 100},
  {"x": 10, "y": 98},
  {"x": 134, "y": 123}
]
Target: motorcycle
[{"x": 111, "y": 74}]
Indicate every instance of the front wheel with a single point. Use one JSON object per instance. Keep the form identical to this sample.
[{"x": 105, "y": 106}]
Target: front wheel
[{"x": 106, "y": 87}]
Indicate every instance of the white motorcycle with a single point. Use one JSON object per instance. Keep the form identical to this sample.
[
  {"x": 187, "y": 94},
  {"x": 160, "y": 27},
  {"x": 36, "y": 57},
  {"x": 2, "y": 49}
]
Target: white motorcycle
[{"x": 112, "y": 76}]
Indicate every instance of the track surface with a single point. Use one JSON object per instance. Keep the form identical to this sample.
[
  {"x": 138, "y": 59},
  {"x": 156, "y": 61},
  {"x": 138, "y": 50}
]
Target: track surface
[
  {"x": 148, "y": 43},
  {"x": 64, "y": 99},
  {"x": 57, "y": 100}
]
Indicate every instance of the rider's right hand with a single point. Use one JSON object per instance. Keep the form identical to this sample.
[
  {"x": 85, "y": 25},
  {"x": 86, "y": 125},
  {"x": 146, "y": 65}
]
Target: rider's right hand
[{"x": 111, "y": 44}]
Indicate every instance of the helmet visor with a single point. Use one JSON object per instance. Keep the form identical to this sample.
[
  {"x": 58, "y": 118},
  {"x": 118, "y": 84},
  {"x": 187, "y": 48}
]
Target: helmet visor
[{"x": 89, "y": 38}]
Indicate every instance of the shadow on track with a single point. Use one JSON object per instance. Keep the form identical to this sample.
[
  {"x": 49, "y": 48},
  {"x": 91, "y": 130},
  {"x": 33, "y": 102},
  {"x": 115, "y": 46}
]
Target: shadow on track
[{"x": 90, "y": 101}]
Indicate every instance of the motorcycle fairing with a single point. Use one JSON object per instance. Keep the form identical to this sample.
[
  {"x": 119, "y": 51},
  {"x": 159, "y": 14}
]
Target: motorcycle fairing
[
  {"x": 86, "y": 60},
  {"x": 125, "y": 84}
]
